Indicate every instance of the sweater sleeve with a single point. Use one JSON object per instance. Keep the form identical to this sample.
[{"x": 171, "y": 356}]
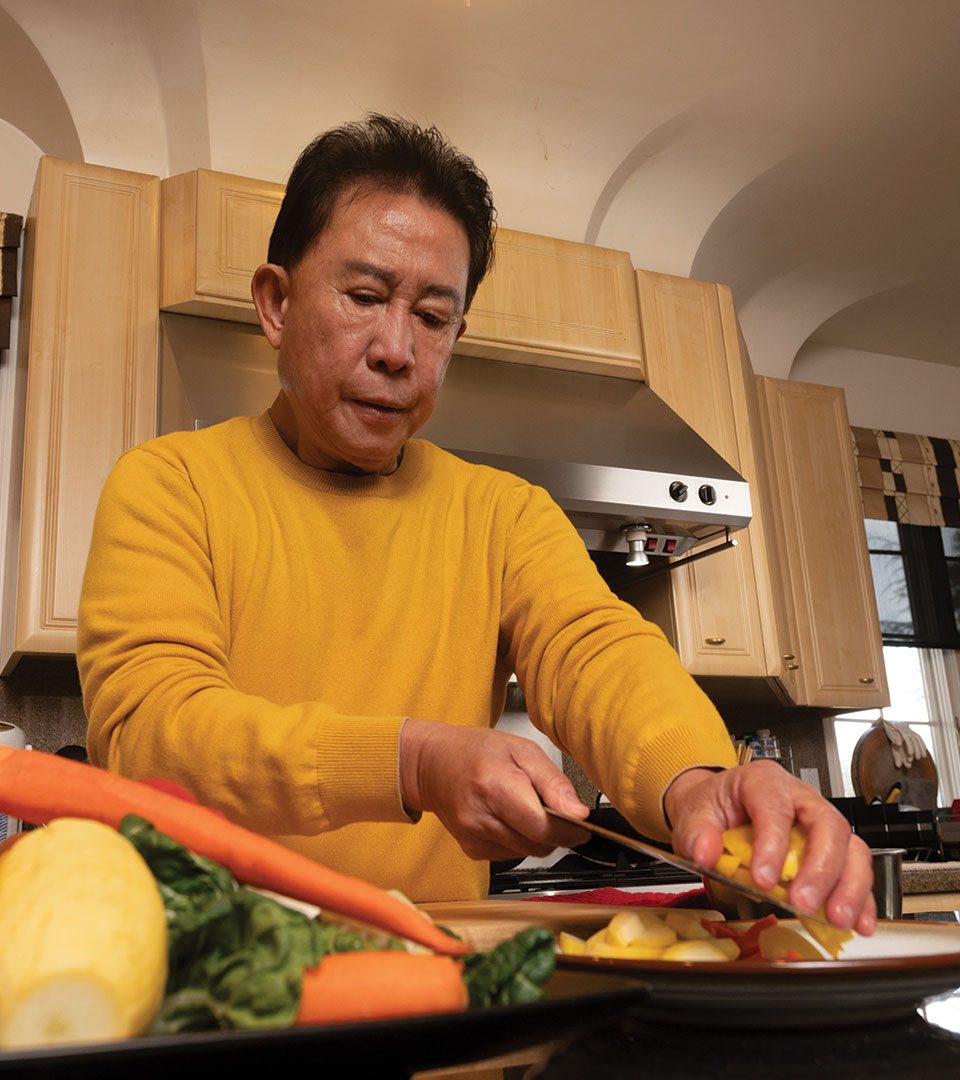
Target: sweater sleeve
[
  {"x": 153, "y": 656},
  {"x": 601, "y": 682}
]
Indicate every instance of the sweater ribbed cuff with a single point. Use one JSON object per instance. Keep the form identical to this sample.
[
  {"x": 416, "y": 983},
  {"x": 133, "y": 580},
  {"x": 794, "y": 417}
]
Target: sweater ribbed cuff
[
  {"x": 669, "y": 755},
  {"x": 357, "y": 775}
]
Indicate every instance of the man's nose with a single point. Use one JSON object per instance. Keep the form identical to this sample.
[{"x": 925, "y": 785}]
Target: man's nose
[{"x": 392, "y": 346}]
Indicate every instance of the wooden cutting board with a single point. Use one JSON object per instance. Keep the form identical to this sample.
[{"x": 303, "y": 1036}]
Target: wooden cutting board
[
  {"x": 873, "y": 772},
  {"x": 485, "y": 923}
]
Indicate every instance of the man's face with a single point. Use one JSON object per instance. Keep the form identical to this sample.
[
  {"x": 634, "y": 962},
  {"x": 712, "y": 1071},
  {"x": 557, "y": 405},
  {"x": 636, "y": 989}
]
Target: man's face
[{"x": 369, "y": 319}]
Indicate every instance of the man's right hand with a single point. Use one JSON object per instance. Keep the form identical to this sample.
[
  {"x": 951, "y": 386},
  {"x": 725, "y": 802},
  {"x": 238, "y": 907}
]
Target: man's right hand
[{"x": 488, "y": 788}]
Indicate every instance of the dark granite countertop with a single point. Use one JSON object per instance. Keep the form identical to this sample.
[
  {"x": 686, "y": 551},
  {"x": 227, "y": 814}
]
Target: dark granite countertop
[
  {"x": 924, "y": 877},
  {"x": 911, "y": 1049}
]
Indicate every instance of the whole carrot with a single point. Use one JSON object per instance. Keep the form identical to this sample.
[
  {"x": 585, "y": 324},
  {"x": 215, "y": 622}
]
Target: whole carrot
[
  {"x": 378, "y": 986},
  {"x": 38, "y": 787}
]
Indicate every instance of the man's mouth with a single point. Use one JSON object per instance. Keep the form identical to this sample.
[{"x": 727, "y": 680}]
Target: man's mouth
[{"x": 382, "y": 408}]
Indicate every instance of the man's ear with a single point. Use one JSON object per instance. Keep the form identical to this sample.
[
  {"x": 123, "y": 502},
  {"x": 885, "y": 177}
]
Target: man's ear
[
  {"x": 269, "y": 288},
  {"x": 463, "y": 327}
]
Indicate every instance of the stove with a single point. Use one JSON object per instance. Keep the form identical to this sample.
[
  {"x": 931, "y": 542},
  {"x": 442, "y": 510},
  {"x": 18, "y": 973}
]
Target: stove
[{"x": 573, "y": 873}]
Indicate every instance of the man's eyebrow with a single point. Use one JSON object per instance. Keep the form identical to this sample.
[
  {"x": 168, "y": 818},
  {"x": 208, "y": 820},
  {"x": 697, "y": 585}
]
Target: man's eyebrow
[
  {"x": 370, "y": 270},
  {"x": 389, "y": 278}
]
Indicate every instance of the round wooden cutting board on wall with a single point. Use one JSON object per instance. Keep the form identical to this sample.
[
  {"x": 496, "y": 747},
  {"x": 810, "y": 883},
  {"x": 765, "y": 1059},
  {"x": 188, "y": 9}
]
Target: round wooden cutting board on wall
[{"x": 873, "y": 772}]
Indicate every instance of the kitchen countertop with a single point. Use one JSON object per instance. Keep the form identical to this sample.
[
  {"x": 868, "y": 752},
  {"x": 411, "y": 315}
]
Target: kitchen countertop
[
  {"x": 924, "y": 877},
  {"x": 631, "y": 1048}
]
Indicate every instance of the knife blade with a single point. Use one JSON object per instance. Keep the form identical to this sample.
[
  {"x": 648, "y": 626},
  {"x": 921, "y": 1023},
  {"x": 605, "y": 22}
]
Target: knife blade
[{"x": 682, "y": 863}]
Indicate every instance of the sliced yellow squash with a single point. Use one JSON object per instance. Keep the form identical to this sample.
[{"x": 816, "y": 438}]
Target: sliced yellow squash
[{"x": 88, "y": 959}]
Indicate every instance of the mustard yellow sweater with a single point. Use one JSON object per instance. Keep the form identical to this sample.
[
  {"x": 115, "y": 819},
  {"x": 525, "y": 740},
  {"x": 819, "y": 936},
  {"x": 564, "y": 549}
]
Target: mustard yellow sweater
[{"x": 258, "y": 630}]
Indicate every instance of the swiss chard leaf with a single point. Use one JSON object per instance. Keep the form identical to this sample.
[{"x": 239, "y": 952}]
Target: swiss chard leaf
[
  {"x": 512, "y": 972},
  {"x": 236, "y": 957}
]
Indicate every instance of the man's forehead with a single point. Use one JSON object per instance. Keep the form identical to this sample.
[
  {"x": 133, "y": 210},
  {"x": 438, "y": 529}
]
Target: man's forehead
[
  {"x": 360, "y": 262},
  {"x": 375, "y": 190}
]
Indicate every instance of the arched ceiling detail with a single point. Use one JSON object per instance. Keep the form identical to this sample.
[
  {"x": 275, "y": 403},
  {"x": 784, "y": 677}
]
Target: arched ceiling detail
[
  {"x": 30, "y": 97},
  {"x": 174, "y": 33}
]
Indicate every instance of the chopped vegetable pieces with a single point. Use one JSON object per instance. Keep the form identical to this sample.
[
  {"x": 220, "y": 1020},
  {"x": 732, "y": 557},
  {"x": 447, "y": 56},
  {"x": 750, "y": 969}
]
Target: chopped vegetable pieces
[
  {"x": 635, "y": 934},
  {"x": 780, "y": 943},
  {"x": 738, "y": 843}
]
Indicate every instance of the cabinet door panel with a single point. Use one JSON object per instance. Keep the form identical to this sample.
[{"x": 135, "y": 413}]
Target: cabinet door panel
[
  {"x": 824, "y": 545},
  {"x": 235, "y": 219},
  {"x": 686, "y": 360},
  {"x": 90, "y": 309},
  {"x": 557, "y": 303}
]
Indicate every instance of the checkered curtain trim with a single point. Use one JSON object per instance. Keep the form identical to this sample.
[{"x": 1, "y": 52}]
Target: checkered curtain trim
[{"x": 912, "y": 479}]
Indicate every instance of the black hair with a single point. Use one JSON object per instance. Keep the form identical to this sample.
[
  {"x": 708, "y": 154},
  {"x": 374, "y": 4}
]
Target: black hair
[{"x": 391, "y": 153}]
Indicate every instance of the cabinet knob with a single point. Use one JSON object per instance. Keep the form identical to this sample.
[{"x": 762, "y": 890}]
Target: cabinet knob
[
  {"x": 792, "y": 667},
  {"x": 715, "y": 640},
  {"x": 866, "y": 679},
  {"x": 789, "y": 656}
]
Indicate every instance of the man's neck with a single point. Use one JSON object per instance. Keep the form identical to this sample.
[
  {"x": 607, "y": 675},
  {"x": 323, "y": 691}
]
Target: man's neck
[{"x": 284, "y": 420}]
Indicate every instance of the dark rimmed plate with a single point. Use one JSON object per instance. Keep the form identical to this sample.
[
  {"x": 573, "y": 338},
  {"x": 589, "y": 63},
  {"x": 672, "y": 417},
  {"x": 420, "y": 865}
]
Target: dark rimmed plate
[
  {"x": 875, "y": 979},
  {"x": 577, "y": 1000}
]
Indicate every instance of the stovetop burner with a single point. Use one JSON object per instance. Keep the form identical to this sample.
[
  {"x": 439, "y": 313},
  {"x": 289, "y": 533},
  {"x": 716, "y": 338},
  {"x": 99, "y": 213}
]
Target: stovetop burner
[{"x": 574, "y": 873}]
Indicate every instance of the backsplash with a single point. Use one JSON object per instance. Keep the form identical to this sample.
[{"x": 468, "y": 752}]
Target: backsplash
[{"x": 42, "y": 697}]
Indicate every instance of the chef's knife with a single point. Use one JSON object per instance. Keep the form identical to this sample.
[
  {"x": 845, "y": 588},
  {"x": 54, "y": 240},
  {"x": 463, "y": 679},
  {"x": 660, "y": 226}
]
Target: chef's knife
[{"x": 683, "y": 863}]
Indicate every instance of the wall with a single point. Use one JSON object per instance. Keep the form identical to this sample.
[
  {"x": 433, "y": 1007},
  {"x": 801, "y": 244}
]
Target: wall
[
  {"x": 43, "y": 698},
  {"x": 799, "y": 729},
  {"x": 874, "y": 387}
]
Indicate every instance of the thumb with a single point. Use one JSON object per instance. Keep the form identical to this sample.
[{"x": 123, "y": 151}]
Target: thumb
[{"x": 556, "y": 791}]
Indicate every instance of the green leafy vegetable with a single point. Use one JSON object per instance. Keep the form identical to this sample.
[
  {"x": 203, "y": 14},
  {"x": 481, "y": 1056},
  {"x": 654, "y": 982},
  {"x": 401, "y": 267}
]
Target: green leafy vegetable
[
  {"x": 236, "y": 957},
  {"x": 512, "y": 972}
]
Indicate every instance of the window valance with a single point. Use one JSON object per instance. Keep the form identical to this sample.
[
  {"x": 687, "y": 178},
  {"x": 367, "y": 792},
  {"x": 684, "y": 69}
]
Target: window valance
[{"x": 910, "y": 479}]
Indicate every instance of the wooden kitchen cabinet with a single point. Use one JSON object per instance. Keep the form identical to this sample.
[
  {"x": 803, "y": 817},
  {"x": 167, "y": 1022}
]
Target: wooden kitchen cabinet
[
  {"x": 215, "y": 232},
  {"x": 559, "y": 304},
  {"x": 721, "y": 611},
  {"x": 821, "y": 543},
  {"x": 547, "y": 301},
  {"x": 89, "y": 328}
]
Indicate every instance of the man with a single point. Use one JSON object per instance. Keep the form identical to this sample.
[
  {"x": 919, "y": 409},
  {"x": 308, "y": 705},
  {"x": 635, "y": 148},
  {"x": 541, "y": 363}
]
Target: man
[{"x": 309, "y": 617}]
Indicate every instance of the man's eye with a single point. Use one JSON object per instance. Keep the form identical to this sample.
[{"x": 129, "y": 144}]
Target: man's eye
[
  {"x": 429, "y": 319},
  {"x": 365, "y": 298}
]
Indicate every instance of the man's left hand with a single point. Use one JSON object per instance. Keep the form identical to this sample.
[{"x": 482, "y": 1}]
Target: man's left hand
[{"x": 837, "y": 870}]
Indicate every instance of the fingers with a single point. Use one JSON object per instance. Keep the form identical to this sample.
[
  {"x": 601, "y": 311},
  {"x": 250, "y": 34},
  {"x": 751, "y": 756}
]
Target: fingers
[
  {"x": 838, "y": 874},
  {"x": 836, "y": 871},
  {"x": 489, "y": 788},
  {"x": 771, "y": 804}
]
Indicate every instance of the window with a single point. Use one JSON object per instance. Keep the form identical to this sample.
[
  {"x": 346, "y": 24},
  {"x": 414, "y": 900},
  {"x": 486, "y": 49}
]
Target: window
[
  {"x": 916, "y": 577},
  {"x": 924, "y": 693}
]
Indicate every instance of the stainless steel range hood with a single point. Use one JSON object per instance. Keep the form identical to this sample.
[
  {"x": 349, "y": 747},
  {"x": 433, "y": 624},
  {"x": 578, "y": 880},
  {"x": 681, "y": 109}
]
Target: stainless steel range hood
[{"x": 611, "y": 453}]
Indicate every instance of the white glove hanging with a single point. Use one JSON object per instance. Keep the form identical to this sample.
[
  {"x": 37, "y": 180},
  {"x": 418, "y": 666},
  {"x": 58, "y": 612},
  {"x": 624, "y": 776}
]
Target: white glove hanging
[{"x": 906, "y": 745}]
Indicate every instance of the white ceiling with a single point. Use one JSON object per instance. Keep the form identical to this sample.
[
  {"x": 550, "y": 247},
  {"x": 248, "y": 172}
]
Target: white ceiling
[{"x": 805, "y": 152}]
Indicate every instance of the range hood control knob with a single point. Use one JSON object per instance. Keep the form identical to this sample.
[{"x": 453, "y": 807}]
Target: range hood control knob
[
  {"x": 678, "y": 491},
  {"x": 708, "y": 494}
]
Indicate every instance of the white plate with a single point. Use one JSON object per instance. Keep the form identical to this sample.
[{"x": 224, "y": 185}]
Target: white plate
[{"x": 876, "y": 978}]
